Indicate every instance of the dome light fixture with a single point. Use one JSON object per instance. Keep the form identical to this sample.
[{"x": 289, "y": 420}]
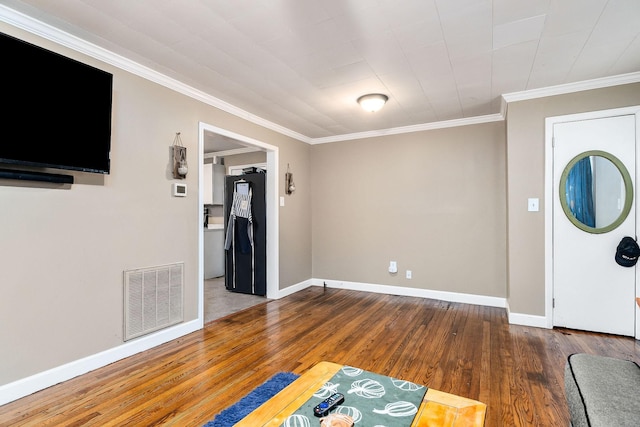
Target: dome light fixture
[{"x": 372, "y": 102}]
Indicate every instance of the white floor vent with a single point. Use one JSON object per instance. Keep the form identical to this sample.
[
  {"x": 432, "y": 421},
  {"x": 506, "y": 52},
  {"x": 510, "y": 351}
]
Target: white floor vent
[{"x": 152, "y": 299}]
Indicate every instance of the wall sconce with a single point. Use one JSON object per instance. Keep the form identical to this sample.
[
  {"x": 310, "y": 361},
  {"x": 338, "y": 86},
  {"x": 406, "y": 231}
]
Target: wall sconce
[
  {"x": 180, "y": 167},
  {"x": 290, "y": 187},
  {"x": 373, "y": 101}
]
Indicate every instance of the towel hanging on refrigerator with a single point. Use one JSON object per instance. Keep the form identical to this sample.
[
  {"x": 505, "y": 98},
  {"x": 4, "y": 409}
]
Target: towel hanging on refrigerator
[{"x": 240, "y": 215}]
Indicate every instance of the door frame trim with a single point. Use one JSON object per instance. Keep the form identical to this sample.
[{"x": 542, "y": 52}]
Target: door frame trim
[
  {"x": 273, "y": 232},
  {"x": 548, "y": 199}
]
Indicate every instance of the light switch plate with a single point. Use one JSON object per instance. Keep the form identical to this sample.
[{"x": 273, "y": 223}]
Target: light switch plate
[{"x": 533, "y": 205}]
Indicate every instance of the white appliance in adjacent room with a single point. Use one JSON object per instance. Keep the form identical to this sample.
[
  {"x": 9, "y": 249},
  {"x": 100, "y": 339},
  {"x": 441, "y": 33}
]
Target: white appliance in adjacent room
[
  {"x": 213, "y": 228},
  {"x": 213, "y": 252}
]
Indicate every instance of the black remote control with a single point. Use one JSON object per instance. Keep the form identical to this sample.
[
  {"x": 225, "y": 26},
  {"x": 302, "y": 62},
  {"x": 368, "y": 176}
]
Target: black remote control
[{"x": 324, "y": 407}]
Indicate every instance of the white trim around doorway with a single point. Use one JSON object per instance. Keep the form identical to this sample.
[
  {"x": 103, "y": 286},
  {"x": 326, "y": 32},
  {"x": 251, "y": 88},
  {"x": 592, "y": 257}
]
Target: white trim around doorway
[{"x": 273, "y": 244}]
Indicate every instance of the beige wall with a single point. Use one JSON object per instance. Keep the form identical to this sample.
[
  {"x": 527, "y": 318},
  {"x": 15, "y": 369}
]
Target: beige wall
[
  {"x": 64, "y": 251},
  {"x": 433, "y": 201},
  {"x": 525, "y": 163},
  {"x": 245, "y": 159},
  {"x": 296, "y": 217}
]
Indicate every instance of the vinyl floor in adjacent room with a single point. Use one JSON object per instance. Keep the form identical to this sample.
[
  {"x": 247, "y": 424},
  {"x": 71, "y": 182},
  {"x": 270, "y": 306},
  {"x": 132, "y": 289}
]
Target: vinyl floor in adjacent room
[
  {"x": 219, "y": 302},
  {"x": 463, "y": 349}
]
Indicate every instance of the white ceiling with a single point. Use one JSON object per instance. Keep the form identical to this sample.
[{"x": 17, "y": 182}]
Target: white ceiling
[{"x": 301, "y": 64}]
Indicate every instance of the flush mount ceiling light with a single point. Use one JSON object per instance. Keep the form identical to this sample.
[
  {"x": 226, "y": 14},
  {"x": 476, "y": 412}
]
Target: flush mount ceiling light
[{"x": 373, "y": 101}]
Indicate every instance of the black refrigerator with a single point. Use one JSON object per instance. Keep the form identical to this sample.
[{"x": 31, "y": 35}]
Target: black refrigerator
[{"x": 245, "y": 219}]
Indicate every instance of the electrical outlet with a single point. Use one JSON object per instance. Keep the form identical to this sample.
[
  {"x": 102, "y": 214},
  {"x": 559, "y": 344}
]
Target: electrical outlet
[
  {"x": 408, "y": 274},
  {"x": 393, "y": 267}
]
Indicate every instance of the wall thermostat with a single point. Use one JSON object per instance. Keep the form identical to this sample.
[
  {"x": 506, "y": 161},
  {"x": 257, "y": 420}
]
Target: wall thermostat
[{"x": 179, "y": 189}]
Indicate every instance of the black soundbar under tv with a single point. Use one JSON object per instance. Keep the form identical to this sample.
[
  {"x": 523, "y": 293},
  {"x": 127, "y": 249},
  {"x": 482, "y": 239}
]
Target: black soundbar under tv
[{"x": 36, "y": 176}]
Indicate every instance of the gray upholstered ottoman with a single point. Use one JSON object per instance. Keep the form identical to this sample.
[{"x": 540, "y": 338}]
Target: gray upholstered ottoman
[{"x": 602, "y": 391}]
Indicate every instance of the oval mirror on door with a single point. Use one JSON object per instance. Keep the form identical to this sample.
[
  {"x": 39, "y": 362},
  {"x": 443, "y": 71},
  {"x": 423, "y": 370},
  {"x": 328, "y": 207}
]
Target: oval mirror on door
[{"x": 596, "y": 191}]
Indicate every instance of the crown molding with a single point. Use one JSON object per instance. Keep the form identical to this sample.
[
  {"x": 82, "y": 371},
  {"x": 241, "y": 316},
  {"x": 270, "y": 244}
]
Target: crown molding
[
  {"x": 599, "y": 83},
  {"x": 409, "y": 129},
  {"x": 46, "y": 31}
]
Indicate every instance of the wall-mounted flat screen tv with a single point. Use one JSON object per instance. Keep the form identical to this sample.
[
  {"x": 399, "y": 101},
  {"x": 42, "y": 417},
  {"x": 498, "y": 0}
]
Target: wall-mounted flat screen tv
[{"x": 56, "y": 111}]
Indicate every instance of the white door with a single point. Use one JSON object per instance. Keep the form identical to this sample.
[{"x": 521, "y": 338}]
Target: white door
[{"x": 590, "y": 290}]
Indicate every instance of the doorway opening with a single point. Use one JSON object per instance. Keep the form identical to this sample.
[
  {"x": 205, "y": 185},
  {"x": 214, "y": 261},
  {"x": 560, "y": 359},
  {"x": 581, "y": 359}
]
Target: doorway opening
[{"x": 230, "y": 143}]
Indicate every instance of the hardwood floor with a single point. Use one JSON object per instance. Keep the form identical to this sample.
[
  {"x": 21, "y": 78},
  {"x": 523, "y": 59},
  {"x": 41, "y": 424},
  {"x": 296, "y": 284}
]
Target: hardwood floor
[{"x": 463, "y": 349}]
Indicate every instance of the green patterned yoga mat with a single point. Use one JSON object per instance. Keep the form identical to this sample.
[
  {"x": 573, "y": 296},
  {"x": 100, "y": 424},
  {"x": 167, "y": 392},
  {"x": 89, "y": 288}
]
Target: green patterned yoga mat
[{"x": 370, "y": 399}]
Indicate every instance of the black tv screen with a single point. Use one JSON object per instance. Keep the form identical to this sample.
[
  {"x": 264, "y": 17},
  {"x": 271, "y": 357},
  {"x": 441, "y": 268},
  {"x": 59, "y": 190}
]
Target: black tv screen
[{"x": 56, "y": 111}]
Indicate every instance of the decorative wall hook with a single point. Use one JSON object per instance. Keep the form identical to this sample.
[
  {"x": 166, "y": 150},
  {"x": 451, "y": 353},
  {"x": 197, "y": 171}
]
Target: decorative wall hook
[
  {"x": 290, "y": 187},
  {"x": 180, "y": 167}
]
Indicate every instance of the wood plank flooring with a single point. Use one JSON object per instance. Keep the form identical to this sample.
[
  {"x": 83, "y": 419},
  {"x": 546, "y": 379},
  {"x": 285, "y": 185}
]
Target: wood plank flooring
[{"x": 463, "y": 349}]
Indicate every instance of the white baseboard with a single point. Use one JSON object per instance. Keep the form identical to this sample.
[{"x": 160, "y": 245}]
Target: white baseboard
[
  {"x": 413, "y": 292},
  {"x": 294, "y": 288},
  {"x": 26, "y": 386},
  {"x": 528, "y": 319},
  {"x": 514, "y": 318}
]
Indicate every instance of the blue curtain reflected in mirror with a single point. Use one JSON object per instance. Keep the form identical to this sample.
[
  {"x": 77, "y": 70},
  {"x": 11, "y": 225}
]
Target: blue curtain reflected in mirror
[
  {"x": 579, "y": 191},
  {"x": 596, "y": 191}
]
